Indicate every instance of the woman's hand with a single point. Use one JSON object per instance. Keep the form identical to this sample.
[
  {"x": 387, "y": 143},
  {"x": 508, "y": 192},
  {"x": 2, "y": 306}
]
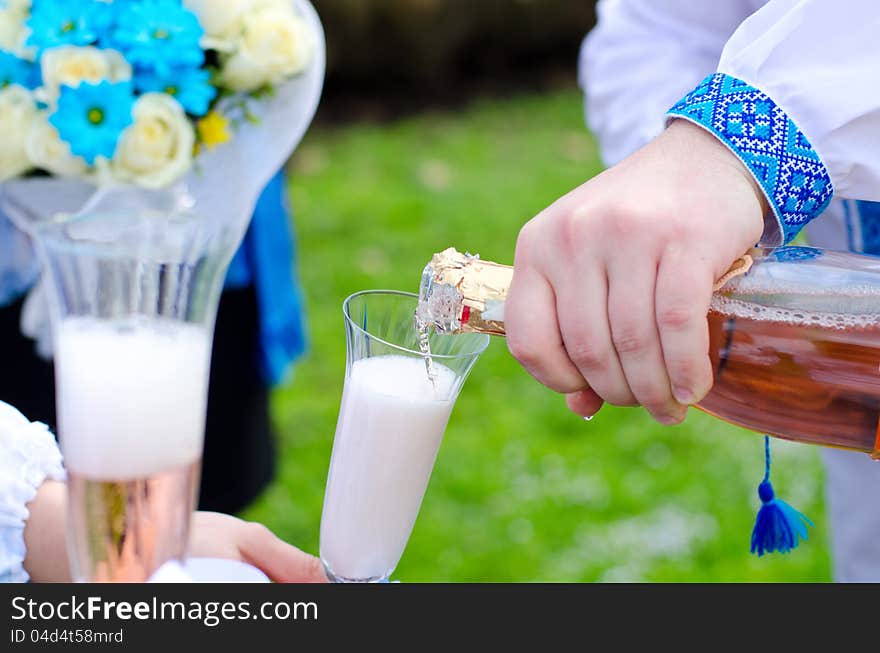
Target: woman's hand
[
  {"x": 212, "y": 535},
  {"x": 215, "y": 535},
  {"x": 612, "y": 282},
  {"x": 44, "y": 535}
]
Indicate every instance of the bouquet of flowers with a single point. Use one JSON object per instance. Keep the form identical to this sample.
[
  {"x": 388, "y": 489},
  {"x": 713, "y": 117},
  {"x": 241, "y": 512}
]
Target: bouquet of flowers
[
  {"x": 140, "y": 109},
  {"x": 134, "y": 92}
]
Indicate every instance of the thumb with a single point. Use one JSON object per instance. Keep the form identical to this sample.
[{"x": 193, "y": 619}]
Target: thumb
[{"x": 280, "y": 561}]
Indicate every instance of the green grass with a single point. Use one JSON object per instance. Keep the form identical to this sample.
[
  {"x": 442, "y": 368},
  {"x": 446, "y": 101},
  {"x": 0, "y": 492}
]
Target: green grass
[{"x": 522, "y": 490}]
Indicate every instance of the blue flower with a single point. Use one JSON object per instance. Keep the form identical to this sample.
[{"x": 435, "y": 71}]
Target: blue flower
[
  {"x": 18, "y": 71},
  {"x": 68, "y": 22},
  {"x": 189, "y": 86},
  {"x": 158, "y": 35},
  {"x": 91, "y": 117}
]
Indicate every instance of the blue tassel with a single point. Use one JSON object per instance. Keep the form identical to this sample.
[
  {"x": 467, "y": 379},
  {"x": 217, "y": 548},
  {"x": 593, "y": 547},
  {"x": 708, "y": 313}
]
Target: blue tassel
[{"x": 778, "y": 527}]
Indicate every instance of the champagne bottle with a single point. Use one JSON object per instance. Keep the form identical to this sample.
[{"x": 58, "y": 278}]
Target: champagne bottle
[{"x": 794, "y": 338}]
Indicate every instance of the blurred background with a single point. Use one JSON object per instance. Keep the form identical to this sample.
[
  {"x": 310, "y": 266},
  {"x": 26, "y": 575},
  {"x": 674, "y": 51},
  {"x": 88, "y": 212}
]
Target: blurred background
[{"x": 451, "y": 122}]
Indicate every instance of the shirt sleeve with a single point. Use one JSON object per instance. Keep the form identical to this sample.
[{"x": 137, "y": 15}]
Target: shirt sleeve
[
  {"x": 642, "y": 56},
  {"x": 28, "y": 457},
  {"x": 795, "y": 97}
]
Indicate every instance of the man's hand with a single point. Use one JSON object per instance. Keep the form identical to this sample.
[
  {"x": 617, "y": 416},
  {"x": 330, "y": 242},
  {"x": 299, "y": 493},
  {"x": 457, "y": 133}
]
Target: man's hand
[{"x": 613, "y": 281}]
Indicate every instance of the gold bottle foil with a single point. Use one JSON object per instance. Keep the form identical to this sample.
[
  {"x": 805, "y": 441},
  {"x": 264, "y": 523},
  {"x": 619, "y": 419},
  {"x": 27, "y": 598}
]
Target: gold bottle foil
[{"x": 482, "y": 288}]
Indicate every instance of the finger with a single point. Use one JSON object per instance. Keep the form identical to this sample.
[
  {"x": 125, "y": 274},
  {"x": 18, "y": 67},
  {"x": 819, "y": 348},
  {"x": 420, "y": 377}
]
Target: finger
[
  {"x": 280, "y": 561},
  {"x": 682, "y": 302},
  {"x": 635, "y": 337},
  {"x": 582, "y": 307},
  {"x": 585, "y": 403},
  {"x": 533, "y": 332}
]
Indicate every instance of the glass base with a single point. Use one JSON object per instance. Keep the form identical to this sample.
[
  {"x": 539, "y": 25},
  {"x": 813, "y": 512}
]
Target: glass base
[{"x": 333, "y": 578}]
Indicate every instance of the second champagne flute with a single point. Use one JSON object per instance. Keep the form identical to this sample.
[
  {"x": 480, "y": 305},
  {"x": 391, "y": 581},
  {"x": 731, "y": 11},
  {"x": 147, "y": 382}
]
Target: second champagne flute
[{"x": 132, "y": 295}]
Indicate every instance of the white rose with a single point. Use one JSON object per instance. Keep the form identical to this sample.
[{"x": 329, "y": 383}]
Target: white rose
[
  {"x": 13, "y": 31},
  {"x": 17, "y": 112},
  {"x": 20, "y": 7},
  {"x": 72, "y": 65},
  {"x": 275, "y": 44},
  {"x": 47, "y": 151},
  {"x": 220, "y": 18},
  {"x": 158, "y": 148}
]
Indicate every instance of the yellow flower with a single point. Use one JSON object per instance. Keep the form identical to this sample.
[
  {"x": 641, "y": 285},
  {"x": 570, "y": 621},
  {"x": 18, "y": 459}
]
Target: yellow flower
[{"x": 214, "y": 130}]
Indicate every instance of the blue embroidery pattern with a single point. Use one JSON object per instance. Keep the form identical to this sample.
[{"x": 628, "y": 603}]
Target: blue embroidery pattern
[
  {"x": 795, "y": 253},
  {"x": 768, "y": 142}
]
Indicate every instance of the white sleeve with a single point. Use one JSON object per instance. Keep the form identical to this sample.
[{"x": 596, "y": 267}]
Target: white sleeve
[
  {"x": 820, "y": 63},
  {"x": 643, "y": 56},
  {"x": 795, "y": 98},
  {"x": 28, "y": 457}
]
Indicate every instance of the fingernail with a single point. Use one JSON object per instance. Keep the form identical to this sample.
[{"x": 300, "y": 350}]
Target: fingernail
[
  {"x": 671, "y": 420},
  {"x": 683, "y": 396}
]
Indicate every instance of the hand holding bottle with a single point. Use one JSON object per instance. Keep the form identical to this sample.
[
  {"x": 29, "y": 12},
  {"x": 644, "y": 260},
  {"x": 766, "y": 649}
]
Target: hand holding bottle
[{"x": 612, "y": 282}]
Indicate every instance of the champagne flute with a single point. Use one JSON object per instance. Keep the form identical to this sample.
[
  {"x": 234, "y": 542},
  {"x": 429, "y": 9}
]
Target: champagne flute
[
  {"x": 132, "y": 296},
  {"x": 391, "y": 422}
]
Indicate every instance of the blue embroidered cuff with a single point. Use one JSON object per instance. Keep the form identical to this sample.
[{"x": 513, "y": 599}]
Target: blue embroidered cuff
[{"x": 767, "y": 141}]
